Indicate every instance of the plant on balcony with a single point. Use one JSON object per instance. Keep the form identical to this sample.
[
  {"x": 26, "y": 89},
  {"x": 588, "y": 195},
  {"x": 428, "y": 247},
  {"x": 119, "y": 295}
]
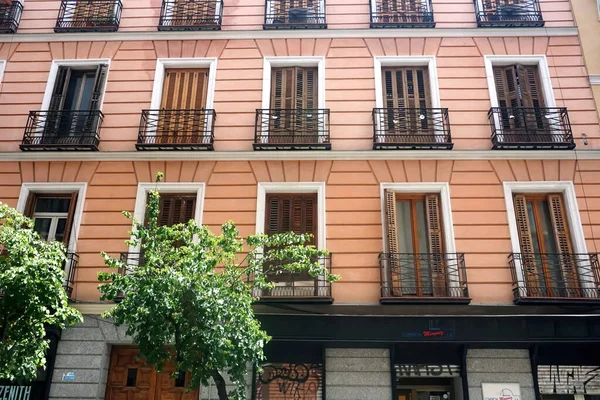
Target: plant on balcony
[
  {"x": 31, "y": 296},
  {"x": 188, "y": 299}
]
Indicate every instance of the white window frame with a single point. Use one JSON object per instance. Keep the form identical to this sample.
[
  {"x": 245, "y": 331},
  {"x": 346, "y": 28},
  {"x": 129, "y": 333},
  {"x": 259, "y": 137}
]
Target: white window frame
[
  {"x": 567, "y": 190},
  {"x": 80, "y": 188},
  {"x": 77, "y": 64},
  {"x": 293, "y": 187},
  {"x": 440, "y": 188},
  {"x": 2, "y": 68},
  {"x": 166, "y": 187},
  {"x": 407, "y": 61},
  {"x": 159, "y": 80},
  {"x": 504, "y": 60}
]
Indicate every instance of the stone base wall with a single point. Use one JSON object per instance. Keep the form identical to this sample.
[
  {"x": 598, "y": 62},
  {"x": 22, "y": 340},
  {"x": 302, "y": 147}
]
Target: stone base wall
[{"x": 499, "y": 366}]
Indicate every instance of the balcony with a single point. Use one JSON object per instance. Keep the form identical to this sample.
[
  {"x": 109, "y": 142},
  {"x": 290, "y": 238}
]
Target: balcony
[
  {"x": 406, "y": 14},
  {"x": 296, "y": 287},
  {"x": 69, "y": 267},
  {"x": 530, "y": 128},
  {"x": 89, "y": 16},
  {"x": 295, "y": 14},
  {"x": 292, "y": 129},
  {"x": 177, "y": 130},
  {"x": 191, "y": 15},
  {"x": 411, "y": 129},
  {"x": 555, "y": 278},
  {"x": 508, "y": 13},
  {"x": 423, "y": 278},
  {"x": 10, "y": 16},
  {"x": 62, "y": 130}
]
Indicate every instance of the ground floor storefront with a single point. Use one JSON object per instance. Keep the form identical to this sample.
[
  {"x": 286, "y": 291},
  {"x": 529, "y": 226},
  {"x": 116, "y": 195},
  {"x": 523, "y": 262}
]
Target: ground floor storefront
[{"x": 334, "y": 357}]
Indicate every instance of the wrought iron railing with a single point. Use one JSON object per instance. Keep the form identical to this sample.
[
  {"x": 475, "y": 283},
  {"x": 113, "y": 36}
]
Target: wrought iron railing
[
  {"x": 63, "y": 130},
  {"x": 10, "y": 15},
  {"x": 295, "y": 14},
  {"x": 401, "y": 14},
  {"x": 177, "y": 130},
  {"x": 433, "y": 276},
  {"x": 294, "y": 285},
  {"x": 70, "y": 266},
  {"x": 292, "y": 129},
  {"x": 530, "y": 128},
  {"x": 563, "y": 276},
  {"x": 89, "y": 16},
  {"x": 411, "y": 128},
  {"x": 188, "y": 15},
  {"x": 508, "y": 13}
]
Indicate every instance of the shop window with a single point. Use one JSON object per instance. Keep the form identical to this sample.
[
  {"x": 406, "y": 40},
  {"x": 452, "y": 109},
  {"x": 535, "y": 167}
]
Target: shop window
[
  {"x": 281, "y": 381},
  {"x": 428, "y": 382}
]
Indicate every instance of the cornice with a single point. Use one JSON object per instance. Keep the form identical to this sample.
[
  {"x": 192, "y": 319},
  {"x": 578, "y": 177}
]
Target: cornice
[
  {"x": 591, "y": 154},
  {"x": 289, "y": 34}
]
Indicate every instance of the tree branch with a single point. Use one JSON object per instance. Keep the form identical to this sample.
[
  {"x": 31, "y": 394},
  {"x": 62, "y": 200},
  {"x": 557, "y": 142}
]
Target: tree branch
[{"x": 220, "y": 383}]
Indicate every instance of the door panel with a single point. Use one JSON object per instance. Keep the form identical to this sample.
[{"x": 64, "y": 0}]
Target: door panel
[{"x": 131, "y": 379}]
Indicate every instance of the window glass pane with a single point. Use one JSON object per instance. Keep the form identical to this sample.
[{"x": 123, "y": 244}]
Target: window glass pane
[
  {"x": 60, "y": 229},
  {"x": 404, "y": 224},
  {"x": 533, "y": 227},
  {"x": 546, "y": 228},
  {"x": 53, "y": 204},
  {"x": 424, "y": 261},
  {"x": 42, "y": 226}
]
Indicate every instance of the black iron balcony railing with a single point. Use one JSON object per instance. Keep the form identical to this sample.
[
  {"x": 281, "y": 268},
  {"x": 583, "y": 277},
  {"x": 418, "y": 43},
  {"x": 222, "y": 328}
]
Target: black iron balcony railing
[
  {"x": 63, "y": 130},
  {"x": 530, "y": 128},
  {"x": 292, "y": 129},
  {"x": 555, "y": 278},
  {"x": 10, "y": 15},
  {"x": 295, "y": 14},
  {"x": 297, "y": 287},
  {"x": 190, "y": 15},
  {"x": 89, "y": 16},
  {"x": 401, "y": 14},
  {"x": 508, "y": 13},
  {"x": 177, "y": 130},
  {"x": 411, "y": 128},
  {"x": 70, "y": 266},
  {"x": 423, "y": 277}
]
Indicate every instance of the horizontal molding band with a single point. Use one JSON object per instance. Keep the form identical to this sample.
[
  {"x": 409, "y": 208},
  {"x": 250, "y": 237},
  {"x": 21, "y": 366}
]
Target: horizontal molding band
[
  {"x": 290, "y": 34},
  {"x": 591, "y": 154}
]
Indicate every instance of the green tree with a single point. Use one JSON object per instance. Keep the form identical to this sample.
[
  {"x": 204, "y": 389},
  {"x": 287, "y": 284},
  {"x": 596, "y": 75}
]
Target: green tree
[
  {"x": 189, "y": 299},
  {"x": 31, "y": 295}
]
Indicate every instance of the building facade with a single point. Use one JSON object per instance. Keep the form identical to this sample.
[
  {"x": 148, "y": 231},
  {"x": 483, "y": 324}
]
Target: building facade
[{"x": 445, "y": 152}]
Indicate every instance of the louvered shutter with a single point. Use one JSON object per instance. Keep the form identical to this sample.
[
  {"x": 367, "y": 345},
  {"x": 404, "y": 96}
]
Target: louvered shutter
[
  {"x": 60, "y": 88},
  {"x": 176, "y": 209},
  {"x": 69, "y": 223},
  {"x": 528, "y": 259},
  {"x": 393, "y": 265},
  {"x": 530, "y": 86},
  {"x": 184, "y": 89},
  {"x": 436, "y": 245},
  {"x": 563, "y": 242},
  {"x": 99, "y": 82}
]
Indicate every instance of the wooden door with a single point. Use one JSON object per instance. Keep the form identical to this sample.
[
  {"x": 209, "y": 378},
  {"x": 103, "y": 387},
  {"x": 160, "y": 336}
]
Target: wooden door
[
  {"x": 181, "y": 119},
  {"x": 131, "y": 379}
]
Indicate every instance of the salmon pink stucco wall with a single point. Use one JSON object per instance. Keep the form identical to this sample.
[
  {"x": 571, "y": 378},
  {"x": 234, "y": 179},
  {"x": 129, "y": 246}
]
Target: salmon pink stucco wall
[
  {"x": 143, "y": 15},
  {"x": 353, "y": 208},
  {"x": 349, "y": 83}
]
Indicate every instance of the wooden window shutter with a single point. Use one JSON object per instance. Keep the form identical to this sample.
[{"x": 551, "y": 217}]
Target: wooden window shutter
[
  {"x": 406, "y": 87},
  {"x": 306, "y": 88},
  {"x": 176, "y": 209},
  {"x": 69, "y": 223},
  {"x": 526, "y": 243},
  {"x": 184, "y": 89},
  {"x": 294, "y": 88},
  {"x": 59, "y": 91},
  {"x": 99, "y": 82},
  {"x": 530, "y": 86},
  {"x": 393, "y": 265},
  {"x": 282, "y": 88},
  {"x": 436, "y": 244},
  {"x": 507, "y": 87},
  {"x": 563, "y": 242},
  {"x": 292, "y": 213}
]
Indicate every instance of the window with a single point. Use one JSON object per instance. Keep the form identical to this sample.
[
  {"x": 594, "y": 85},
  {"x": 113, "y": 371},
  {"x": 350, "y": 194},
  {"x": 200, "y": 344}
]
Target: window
[
  {"x": 414, "y": 233},
  {"x": 175, "y": 208},
  {"x": 52, "y": 215},
  {"x": 508, "y": 13},
  {"x": 190, "y": 15},
  {"x": 280, "y": 381},
  {"x": 292, "y": 213},
  {"x": 545, "y": 243},
  {"x": 518, "y": 86},
  {"x": 88, "y": 16},
  {"x": 286, "y": 14},
  {"x": 401, "y": 14}
]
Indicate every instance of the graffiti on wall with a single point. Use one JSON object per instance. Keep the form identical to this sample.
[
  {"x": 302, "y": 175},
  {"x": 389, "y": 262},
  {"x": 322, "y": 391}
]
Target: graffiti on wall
[
  {"x": 569, "y": 379},
  {"x": 290, "y": 381}
]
